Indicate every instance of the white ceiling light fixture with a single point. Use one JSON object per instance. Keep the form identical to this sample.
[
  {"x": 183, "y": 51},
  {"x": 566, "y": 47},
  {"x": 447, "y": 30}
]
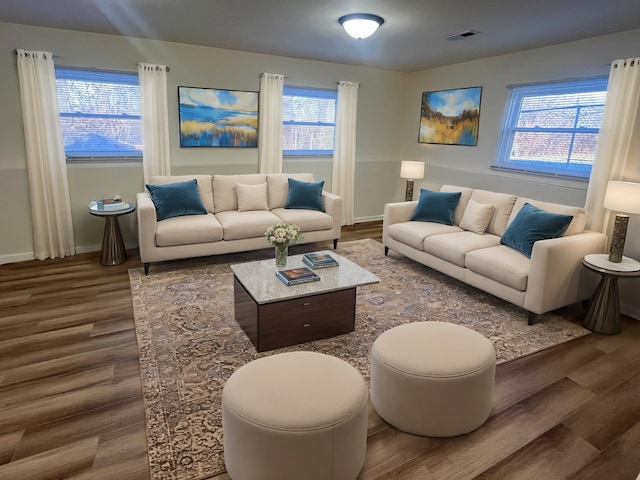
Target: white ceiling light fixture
[{"x": 361, "y": 25}]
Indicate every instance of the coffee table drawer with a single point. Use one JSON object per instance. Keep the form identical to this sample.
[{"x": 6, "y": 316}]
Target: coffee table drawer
[{"x": 305, "y": 319}]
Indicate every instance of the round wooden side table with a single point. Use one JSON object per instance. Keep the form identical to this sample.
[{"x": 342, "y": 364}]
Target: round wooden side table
[
  {"x": 113, "y": 250},
  {"x": 603, "y": 315}
]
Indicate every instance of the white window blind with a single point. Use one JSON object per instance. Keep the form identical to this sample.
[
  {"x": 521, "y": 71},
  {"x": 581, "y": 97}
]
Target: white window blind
[
  {"x": 99, "y": 113},
  {"x": 553, "y": 128},
  {"x": 309, "y": 121}
]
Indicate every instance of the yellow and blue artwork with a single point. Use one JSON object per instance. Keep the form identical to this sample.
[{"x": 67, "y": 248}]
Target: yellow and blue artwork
[
  {"x": 450, "y": 117},
  {"x": 211, "y": 117}
]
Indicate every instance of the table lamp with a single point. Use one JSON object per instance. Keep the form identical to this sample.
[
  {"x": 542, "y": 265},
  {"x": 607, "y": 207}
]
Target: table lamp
[
  {"x": 621, "y": 197},
  {"x": 411, "y": 171}
]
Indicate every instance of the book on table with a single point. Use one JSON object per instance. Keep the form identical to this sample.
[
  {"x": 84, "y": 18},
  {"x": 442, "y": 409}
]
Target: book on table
[
  {"x": 293, "y": 276},
  {"x": 319, "y": 260},
  {"x": 113, "y": 206}
]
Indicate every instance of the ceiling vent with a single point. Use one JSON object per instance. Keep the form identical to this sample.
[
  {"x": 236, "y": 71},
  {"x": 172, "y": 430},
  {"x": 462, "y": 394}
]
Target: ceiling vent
[{"x": 460, "y": 35}]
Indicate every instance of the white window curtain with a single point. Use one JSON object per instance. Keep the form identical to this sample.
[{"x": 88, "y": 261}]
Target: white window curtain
[
  {"x": 46, "y": 163},
  {"x": 344, "y": 152},
  {"x": 618, "y": 123},
  {"x": 270, "y": 131},
  {"x": 156, "y": 155}
]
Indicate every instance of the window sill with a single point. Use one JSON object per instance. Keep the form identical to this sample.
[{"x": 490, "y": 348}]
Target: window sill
[{"x": 562, "y": 176}]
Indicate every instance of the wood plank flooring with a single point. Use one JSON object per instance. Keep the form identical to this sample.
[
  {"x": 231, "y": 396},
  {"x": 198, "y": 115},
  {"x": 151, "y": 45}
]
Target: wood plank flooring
[{"x": 71, "y": 401}]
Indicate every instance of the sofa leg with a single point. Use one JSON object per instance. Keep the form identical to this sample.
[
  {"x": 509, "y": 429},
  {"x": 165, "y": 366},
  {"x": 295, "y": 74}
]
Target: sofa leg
[
  {"x": 386, "y": 250},
  {"x": 335, "y": 243},
  {"x": 532, "y": 318},
  {"x": 146, "y": 269}
]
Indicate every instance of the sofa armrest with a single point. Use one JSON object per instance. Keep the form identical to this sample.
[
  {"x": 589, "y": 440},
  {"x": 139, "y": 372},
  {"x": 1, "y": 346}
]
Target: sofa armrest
[
  {"x": 147, "y": 221},
  {"x": 557, "y": 277},
  {"x": 332, "y": 205},
  {"x": 397, "y": 212}
]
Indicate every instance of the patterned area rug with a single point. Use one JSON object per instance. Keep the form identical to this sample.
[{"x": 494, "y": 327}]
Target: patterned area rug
[{"x": 190, "y": 343}]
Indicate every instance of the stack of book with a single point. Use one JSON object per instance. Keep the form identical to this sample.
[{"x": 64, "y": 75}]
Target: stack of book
[
  {"x": 319, "y": 260},
  {"x": 297, "y": 275},
  {"x": 109, "y": 204}
]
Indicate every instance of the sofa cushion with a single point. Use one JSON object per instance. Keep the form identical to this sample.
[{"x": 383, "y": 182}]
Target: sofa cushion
[
  {"x": 462, "y": 203},
  {"x": 307, "y": 220},
  {"x": 224, "y": 189},
  {"x": 176, "y": 199},
  {"x": 414, "y": 233},
  {"x": 476, "y": 217},
  {"x": 438, "y": 207},
  {"x": 304, "y": 195},
  {"x": 580, "y": 215},
  {"x": 453, "y": 247},
  {"x": 204, "y": 186},
  {"x": 252, "y": 197},
  {"x": 502, "y": 264},
  {"x": 502, "y": 204},
  {"x": 246, "y": 224},
  {"x": 188, "y": 230},
  {"x": 532, "y": 224},
  {"x": 278, "y": 187}
]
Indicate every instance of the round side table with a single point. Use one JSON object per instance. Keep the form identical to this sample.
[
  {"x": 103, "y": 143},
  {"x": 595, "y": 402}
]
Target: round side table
[
  {"x": 113, "y": 250},
  {"x": 603, "y": 315}
]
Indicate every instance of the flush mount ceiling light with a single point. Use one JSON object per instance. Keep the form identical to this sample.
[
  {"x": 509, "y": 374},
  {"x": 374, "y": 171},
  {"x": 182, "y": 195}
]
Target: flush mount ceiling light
[{"x": 360, "y": 25}]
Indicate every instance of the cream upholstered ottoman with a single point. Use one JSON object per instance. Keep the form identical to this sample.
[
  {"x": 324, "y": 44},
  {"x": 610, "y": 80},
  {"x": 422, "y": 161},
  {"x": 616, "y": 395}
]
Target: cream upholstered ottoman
[
  {"x": 292, "y": 416},
  {"x": 432, "y": 378}
]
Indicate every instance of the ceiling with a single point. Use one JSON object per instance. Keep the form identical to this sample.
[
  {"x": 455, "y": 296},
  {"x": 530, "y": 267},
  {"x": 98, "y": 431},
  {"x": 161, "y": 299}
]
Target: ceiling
[{"x": 411, "y": 39}]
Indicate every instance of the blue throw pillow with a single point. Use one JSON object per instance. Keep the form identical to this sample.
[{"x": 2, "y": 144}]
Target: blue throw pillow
[
  {"x": 437, "y": 207},
  {"x": 177, "y": 199},
  {"x": 305, "y": 195},
  {"x": 532, "y": 224}
]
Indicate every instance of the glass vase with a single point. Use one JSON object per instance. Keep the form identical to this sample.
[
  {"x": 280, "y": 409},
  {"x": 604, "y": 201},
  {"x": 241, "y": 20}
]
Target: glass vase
[{"x": 282, "y": 252}]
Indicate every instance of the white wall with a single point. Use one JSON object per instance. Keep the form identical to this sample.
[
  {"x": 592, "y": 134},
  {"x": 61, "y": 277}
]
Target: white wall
[
  {"x": 470, "y": 166},
  {"x": 378, "y": 134},
  {"x": 388, "y": 117}
]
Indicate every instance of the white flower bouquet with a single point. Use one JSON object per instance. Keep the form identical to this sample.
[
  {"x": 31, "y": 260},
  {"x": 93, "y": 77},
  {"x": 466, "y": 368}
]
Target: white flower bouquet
[{"x": 282, "y": 234}]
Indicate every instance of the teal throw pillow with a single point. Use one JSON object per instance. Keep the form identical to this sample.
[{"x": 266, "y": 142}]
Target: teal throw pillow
[
  {"x": 437, "y": 207},
  {"x": 177, "y": 199},
  {"x": 305, "y": 195},
  {"x": 532, "y": 224}
]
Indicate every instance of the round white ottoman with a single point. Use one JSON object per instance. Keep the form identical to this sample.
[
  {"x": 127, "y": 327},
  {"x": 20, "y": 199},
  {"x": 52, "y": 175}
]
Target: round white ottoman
[
  {"x": 432, "y": 378},
  {"x": 292, "y": 416}
]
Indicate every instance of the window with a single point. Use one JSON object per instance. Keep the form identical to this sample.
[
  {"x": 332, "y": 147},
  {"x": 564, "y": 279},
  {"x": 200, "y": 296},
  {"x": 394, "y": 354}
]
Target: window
[
  {"x": 99, "y": 113},
  {"x": 309, "y": 121},
  {"x": 553, "y": 128}
]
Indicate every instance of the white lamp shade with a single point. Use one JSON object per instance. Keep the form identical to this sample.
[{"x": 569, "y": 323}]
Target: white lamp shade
[
  {"x": 361, "y": 25},
  {"x": 623, "y": 197},
  {"x": 412, "y": 170}
]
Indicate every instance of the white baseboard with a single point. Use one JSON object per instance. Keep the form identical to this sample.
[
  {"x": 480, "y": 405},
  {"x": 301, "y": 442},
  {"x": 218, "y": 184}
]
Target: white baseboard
[
  {"x": 17, "y": 257},
  {"x": 26, "y": 256},
  {"x": 630, "y": 310},
  {"x": 373, "y": 218}
]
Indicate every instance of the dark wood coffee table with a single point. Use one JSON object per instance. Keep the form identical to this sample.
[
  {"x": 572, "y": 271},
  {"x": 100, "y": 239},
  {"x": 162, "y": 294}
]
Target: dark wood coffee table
[{"x": 274, "y": 315}]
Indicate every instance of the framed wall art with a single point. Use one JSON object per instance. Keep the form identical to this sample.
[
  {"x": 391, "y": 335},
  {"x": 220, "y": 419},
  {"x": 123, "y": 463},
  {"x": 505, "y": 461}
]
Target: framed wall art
[
  {"x": 211, "y": 117},
  {"x": 450, "y": 117}
]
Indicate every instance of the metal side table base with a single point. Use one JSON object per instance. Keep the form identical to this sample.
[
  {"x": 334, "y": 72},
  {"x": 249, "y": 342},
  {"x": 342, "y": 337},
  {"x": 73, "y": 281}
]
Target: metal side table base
[
  {"x": 603, "y": 315},
  {"x": 113, "y": 250}
]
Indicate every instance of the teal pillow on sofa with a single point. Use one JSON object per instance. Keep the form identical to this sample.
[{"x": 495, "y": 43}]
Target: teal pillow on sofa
[
  {"x": 176, "y": 199},
  {"x": 437, "y": 207},
  {"x": 532, "y": 224},
  {"x": 305, "y": 195}
]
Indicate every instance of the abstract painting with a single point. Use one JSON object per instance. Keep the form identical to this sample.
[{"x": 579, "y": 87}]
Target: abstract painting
[
  {"x": 211, "y": 117},
  {"x": 450, "y": 117}
]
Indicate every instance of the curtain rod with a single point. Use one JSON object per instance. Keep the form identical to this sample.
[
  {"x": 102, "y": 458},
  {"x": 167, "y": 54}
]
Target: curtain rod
[{"x": 15, "y": 52}]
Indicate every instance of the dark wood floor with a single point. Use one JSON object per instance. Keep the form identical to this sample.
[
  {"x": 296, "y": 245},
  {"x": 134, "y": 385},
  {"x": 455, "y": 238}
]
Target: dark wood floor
[{"x": 71, "y": 403}]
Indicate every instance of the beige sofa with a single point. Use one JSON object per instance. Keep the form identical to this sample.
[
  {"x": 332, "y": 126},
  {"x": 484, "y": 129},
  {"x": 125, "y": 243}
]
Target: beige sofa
[
  {"x": 552, "y": 278},
  {"x": 226, "y": 228}
]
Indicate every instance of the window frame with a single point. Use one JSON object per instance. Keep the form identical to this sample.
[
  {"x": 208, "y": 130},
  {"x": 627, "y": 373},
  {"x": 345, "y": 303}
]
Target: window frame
[
  {"x": 513, "y": 109},
  {"x": 101, "y": 76},
  {"x": 309, "y": 92}
]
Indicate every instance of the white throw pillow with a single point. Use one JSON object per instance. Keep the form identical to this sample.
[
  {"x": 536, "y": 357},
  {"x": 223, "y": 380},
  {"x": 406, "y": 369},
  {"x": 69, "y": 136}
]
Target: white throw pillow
[
  {"x": 476, "y": 217},
  {"x": 252, "y": 197}
]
